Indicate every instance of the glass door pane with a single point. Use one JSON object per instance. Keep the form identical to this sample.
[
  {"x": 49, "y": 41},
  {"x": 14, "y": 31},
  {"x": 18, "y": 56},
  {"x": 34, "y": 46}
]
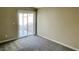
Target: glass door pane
[
  {"x": 30, "y": 24},
  {"x": 22, "y": 24},
  {"x": 25, "y": 24}
]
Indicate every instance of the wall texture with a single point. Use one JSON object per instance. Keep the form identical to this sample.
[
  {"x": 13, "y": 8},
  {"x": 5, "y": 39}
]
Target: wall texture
[
  {"x": 59, "y": 24},
  {"x": 9, "y": 22}
]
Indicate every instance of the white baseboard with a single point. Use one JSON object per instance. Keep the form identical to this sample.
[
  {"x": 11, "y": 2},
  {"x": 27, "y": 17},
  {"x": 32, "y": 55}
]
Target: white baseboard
[
  {"x": 60, "y": 43},
  {"x": 12, "y": 39},
  {"x": 8, "y": 40}
]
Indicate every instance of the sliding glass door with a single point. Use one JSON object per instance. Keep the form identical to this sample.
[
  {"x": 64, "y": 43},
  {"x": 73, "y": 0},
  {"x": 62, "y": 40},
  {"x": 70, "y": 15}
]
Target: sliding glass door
[{"x": 26, "y": 23}]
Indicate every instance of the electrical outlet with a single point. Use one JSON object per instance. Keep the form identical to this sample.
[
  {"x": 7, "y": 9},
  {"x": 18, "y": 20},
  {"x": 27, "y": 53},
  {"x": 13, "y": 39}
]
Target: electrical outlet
[
  {"x": 6, "y": 35},
  {"x": 13, "y": 23}
]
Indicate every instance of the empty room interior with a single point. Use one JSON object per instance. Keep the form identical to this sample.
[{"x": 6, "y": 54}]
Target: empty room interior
[{"x": 39, "y": 28}]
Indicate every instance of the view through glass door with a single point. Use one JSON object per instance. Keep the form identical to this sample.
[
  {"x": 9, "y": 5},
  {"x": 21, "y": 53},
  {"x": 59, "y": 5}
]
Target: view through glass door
[{"x": 26, "y": 24}]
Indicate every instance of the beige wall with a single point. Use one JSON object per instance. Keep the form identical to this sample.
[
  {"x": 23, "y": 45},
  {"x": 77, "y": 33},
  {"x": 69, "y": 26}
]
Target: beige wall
[
  {"x": 8, "y": 16},
  {"x": 59, "y": 24}
]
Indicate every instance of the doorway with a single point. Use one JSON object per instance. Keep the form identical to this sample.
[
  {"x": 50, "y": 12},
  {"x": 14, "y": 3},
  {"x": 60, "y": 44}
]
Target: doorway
[{"x": 26, "y": 23}]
